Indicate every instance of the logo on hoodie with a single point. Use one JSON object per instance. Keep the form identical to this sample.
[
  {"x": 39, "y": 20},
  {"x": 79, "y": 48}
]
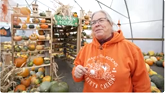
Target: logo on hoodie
[{"x": 103, "y": 68}]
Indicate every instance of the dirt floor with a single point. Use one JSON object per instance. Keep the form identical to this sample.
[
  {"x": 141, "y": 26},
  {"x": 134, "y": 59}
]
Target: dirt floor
[{"x": 65, "y": 70}]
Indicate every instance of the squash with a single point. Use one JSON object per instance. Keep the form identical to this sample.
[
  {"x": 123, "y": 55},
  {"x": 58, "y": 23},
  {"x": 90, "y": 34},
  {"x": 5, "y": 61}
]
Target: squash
[
  {"x": 38, "y": 61},
  {"x": 31, "y": 26},
  {"x": 40, "y": 74},
  {"x": 25, "y": 72},
  {"x": 148, "y": 67},
  {"x": 33, "y": 36},
  {"x": 151, "y": 72},
  {"x": 24, "y": 26},
  {"x": 26, "y": 82},
  {"x": 25, "y": 38},
  {"x": 25, "y": 11},
  {"x": 154, "y": 59},
  {"x": 59, "y": 87},
  {"x": 20, "y": 88},
  {"x": 45, "y": 86},
  {"x": 24, "y": 49},
  {"x": 35, "y": 20},
  {"x": 158, "y": 80},
  {"x": 41, "y": 37},
  {"x": 20, "y": 61},
  {"x": 46, "y": 78},
  {"x": 32, "y": 46},
  {"x": 17, "y": 26},
  {"x": 43, "y": 26},
  {"x": 39, "y": 47},
  {"x": 159, "y": 63},
  {"x": 42, "y": 14},
  {"x": 17, "y": 48},
  {"x": 87, "y": 22},
  {"x": 17, "y": 38},
  {"x": 30, "y": 63}
]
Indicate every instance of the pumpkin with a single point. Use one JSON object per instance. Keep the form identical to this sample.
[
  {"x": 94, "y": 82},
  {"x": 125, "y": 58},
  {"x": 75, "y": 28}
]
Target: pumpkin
[
  {"x": 41, "y": 69},
  {"x": 33, "y": 79},
  {"x": 154, "y": 59},
  {"x": 35, "y": 20},
  {"x": 75, "y": 14},
  {"x": 42, "y": 14},
  {"x": 151, "y": 53},
  {"x": 26, "y": 82},
  {"x": 25, "y": 11},
  {"x": 59, "y": 87},
  {"x": 38, "y": 61},
  {"x": 41, "y": 32},
  {"x": 25, "y": 72},
  {"x": 43, "y": 21},
  {"x": 46, "y": 78},
  {"x": 39, "y": 47},
  {"x": 158, "y": 80},
  {"x": 17, "y": 38},
  {"x": 43, "y": 26},
  {"x": 148, "y": 67},
  {"x": 20, "y": 88},
  {"x": 149, "y": 61},
  {"x": 20, "y": 61},
  {"x": 32, "y": 46},
  {"x": 159, "y": 63},
  {"x": 33, "y": 36},
  {"x": 24, "y": 26},
  {"x": 25, "y": 37},
  {"x": 44, "y": 86},
  {"x": 41, "y": 37}
]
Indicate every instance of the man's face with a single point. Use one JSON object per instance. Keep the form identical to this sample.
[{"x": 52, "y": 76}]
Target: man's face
[{"x": 101, "y": 27}]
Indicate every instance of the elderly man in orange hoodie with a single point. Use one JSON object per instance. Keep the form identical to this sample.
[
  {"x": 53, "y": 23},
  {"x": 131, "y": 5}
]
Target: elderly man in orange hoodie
[{"x": 110, "y": 63}]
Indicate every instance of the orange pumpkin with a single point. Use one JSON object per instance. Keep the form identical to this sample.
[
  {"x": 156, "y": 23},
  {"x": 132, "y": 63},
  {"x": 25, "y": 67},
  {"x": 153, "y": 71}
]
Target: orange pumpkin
[
  {"x": 25, "y": 11},
  {"x": 43, "y": 26},
  {"x": 20, "y": 88},
  {"x": 38, "y": 61},
  {"x": 17, "y": 38},
  {"x": 25, "y": 72},
  {"x": 41, "y": 69},
  {"x": 149, "y": 62},
  {"x": 43, "y": 21},
  {"x": 20, "y": 61},
  {"x": 32, "y": 46},
  {"x": 46, "y": 78},
  {"x": 26, "y": 82}
]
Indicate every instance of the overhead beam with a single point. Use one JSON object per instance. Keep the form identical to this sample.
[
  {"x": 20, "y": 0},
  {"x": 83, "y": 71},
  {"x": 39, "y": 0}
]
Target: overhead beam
[
  {"x": 112, "y": 9},
  {"x": 129, "y": 19}
]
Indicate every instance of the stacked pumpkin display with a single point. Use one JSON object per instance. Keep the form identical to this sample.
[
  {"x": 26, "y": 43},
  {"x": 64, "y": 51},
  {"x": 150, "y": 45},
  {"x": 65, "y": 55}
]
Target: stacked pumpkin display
[
  {"x": 34, "y": 80},
  {"x": 157, "y": 81}
]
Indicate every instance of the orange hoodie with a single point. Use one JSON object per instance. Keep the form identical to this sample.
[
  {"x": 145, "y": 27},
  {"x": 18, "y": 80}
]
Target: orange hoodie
[{"x": 116, "y": 66}]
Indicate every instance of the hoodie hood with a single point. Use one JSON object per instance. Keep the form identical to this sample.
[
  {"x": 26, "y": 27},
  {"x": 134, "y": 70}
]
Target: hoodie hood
[{"x": 117, "y": 37}]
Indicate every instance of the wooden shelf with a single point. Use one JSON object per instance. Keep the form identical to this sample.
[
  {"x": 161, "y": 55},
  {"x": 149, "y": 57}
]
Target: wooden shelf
[
  {"x": 20, "y": 15},
  {"x": 43, "y": 65},
  {"x": 30, "y": 29},
  {"x": 32, "y": 51}
]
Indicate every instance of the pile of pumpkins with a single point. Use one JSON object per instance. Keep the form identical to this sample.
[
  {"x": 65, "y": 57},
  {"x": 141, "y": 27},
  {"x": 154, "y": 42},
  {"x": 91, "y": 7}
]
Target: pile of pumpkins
[
  {"x": 23, "y": 60},
  {"x": 34, "y": 80},
  {"x": 154, "y": 58},
  {"x": 157, "y": 81}
]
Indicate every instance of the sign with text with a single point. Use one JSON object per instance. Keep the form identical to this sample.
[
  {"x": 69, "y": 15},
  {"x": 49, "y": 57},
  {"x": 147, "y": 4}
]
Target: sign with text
[{"x": 66, "y": 20}]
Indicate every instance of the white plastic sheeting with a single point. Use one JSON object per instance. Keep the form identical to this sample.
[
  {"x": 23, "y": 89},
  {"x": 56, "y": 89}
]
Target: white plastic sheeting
[{"x": 146, "y": 16}]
